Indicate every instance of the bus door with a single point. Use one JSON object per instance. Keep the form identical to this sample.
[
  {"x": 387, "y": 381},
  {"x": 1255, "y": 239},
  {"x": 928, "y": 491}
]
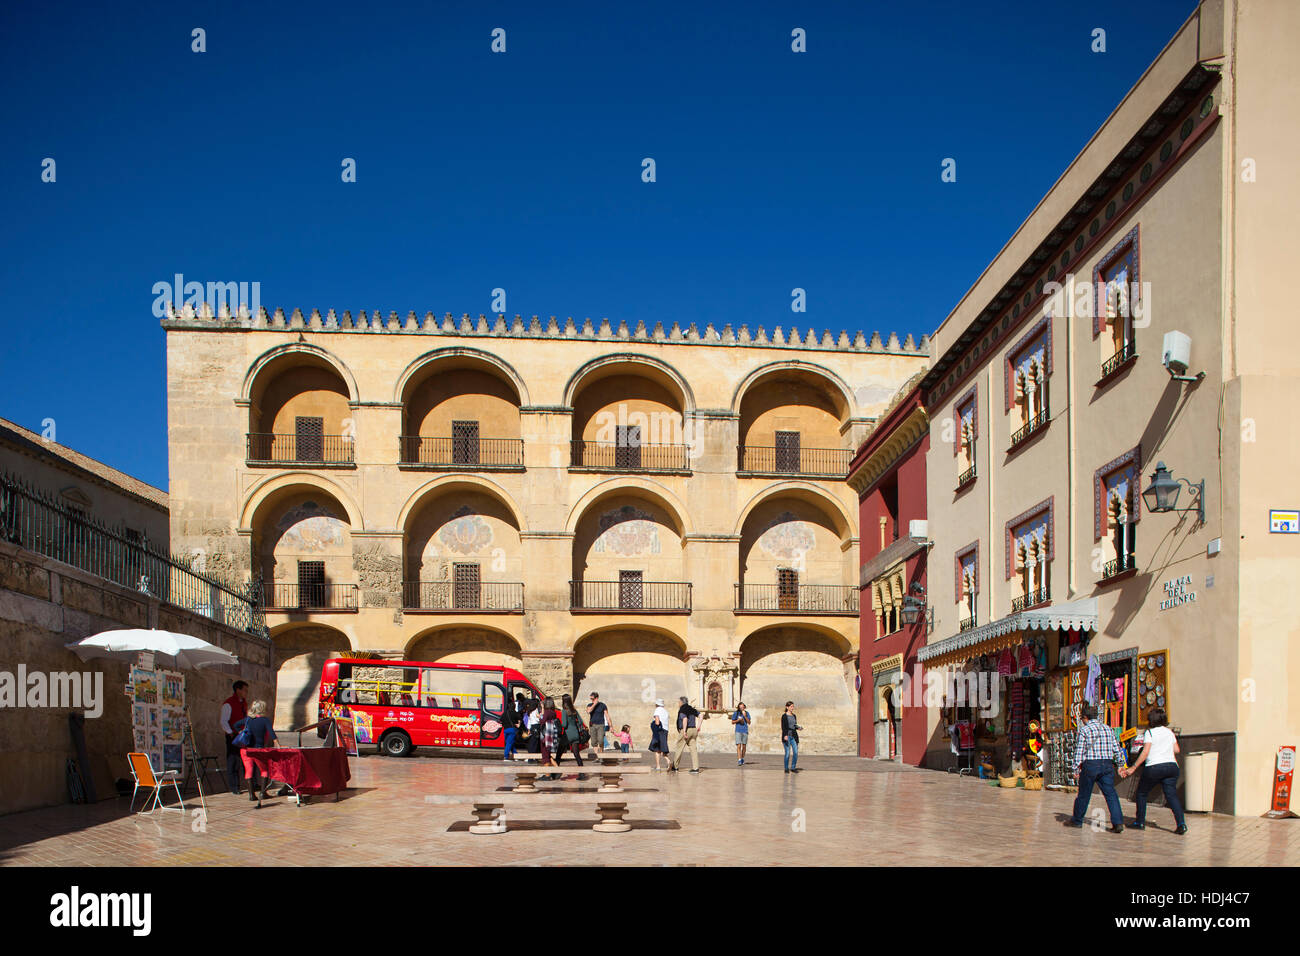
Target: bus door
[{"x": 492, "y": 713}]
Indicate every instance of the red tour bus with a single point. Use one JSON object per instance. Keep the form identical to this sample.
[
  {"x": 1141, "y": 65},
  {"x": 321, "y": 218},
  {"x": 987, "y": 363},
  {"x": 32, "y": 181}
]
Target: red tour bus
[{"x": 401, "y": 705}]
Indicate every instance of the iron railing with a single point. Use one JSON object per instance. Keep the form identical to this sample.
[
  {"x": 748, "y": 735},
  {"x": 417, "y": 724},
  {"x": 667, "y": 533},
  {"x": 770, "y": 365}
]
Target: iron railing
[
  {"x": 40, "y": 523},
  {"x": 966, "y": 477},
  {"x": 265, "y": 449},
  {"x": 810, "y": 462},
  {"x": 966, "y": 624},
  {"x": 1127, "y": 351},
  {"x": 613, "y": 456},
  {"x": 311, "y": 597},
  {"x": 497, "y": 596},
  {"x": 630, "y": 595},
  {"x": 1118, "y": 566},
  {"x": 797, "y": 599},
  {"x": 462, "y": 452},
  {"x": 1034, "y": 598},
  {"x": 1034, "y": 424}
]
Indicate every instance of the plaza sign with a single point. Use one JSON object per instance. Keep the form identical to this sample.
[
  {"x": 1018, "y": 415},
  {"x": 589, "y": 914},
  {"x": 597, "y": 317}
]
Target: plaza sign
[{"x": 1178, "y": 591}]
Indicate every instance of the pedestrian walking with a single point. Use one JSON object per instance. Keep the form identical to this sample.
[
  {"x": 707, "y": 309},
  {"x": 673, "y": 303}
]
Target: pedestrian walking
[
  {"x": 741, "y": 720},
  {"x": 1159, "y": 744},
  {"x": 514, "y": 715},
  {"x": 624, "y": 739},
  {"x": 790, "y": 737},
  {"x": 598, "y": 719},
  {"x": 550, "y": 734},
  {"x": 572, "y": 731},
  {"x": 688, "y": 732},
  {"x": 659, "y": 733},
  {"x": 233, "y": 710},
  {"x": 1094, "y": 763}
]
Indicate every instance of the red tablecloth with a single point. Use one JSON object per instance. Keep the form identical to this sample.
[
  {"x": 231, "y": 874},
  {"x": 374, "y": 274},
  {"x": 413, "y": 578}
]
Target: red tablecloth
[{"x": 314, "y": 770}]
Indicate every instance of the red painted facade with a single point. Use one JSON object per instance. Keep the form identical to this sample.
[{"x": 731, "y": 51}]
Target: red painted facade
[{"x": 897, "y": 495}]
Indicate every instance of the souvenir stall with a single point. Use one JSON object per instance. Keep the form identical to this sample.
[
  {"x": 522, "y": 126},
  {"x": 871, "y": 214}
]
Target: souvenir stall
[{"x": 1005, "y": 687}]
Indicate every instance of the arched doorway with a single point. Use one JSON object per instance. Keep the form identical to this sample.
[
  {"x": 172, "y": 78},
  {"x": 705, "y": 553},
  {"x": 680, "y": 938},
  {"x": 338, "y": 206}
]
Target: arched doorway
[
  {"x": 630, "y": 668},
  {"x": 300, "y": 652},
  {"x": 806, "y": 665}
]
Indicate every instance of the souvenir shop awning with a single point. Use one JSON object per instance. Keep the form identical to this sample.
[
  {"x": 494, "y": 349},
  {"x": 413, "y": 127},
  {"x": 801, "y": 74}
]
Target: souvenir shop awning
[{"x": 1077, "y": 615}]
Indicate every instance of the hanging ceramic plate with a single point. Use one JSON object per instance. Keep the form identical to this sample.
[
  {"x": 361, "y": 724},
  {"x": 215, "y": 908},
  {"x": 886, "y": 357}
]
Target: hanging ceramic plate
[
  {"x": 1151, "y": 697},
  {"x": 1160, "y": 688},
  {"x": 1160, "y": 701},
  {"x": 1142, "y": 675},
  {"x": 1142, "y": 662},
  {"x": 1151, "y": 682},
  {"x": 1160, "y": 661}
]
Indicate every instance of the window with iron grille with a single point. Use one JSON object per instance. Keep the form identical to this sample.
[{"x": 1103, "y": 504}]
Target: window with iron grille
[
  {"x": 631, "y": 589},
  {"x": 787, "y": 589},
  {"x": 627, "y": 453},
  {"x": 464, "y": 443},
  {"x": 311, "y": 584},
  {"x": 466, "y": 589},
  {"x": 787, "y": 452},
  {"x": 309, "y": 435}
]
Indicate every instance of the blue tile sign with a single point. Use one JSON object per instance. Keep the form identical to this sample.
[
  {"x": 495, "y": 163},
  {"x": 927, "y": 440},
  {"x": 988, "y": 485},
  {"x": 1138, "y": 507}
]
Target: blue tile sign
[{"x": 1284, "y": 522}]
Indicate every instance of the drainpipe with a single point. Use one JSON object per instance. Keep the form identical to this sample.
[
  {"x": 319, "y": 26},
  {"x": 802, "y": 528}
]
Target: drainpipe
[{"x": 1071, "y": 563}]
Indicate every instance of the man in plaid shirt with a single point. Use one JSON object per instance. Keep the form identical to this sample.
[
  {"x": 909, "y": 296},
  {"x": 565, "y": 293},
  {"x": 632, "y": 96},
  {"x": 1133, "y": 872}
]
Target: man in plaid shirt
[{"x": 1094, "y": 762}]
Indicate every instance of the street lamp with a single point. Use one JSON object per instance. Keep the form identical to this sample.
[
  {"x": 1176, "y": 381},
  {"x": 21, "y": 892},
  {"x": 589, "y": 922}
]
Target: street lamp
[
  {"x": 1162, "y": 494},
  {"x": 912, "y": 607}
]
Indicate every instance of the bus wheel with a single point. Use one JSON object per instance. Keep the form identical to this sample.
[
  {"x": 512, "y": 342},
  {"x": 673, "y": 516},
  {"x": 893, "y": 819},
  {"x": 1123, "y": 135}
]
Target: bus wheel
[{"x": 396, "y": 744}]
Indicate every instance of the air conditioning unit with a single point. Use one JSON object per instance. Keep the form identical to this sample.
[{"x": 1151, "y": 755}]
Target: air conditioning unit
[
  {"x": 917, "y": 529},
  {"x": 1177, "y": 353}
]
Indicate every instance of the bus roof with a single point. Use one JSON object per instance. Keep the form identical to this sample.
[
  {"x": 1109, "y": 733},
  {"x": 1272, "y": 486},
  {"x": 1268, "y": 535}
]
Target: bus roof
[{"x": 386, "y": 662}]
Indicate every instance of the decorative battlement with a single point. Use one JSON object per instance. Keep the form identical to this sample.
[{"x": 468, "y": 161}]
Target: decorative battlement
[{"x": 499, "y": 327}]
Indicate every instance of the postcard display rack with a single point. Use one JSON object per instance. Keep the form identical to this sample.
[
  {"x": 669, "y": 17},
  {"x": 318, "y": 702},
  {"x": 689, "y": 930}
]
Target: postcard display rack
[{"x": 158, "y": 713}]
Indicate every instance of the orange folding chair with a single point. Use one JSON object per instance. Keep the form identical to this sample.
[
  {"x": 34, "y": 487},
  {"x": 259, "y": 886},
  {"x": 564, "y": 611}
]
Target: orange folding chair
[{"x": 145, "y": 776}]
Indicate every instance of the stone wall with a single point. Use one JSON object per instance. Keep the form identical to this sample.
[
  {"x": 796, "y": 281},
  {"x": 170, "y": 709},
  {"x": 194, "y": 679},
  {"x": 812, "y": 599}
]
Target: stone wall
[{"x": 45, "y": 604}]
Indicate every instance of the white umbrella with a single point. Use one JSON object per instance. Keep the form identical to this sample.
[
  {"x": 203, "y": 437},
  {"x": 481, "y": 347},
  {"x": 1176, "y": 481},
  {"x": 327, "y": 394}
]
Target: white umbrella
[{"x": 187, "y": 651}]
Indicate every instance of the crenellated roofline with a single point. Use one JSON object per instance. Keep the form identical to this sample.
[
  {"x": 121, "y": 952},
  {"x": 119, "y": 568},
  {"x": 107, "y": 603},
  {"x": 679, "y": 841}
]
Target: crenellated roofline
[{"x": 498, "y": 326}]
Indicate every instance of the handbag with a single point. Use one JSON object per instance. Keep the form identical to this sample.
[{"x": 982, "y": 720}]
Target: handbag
[{"x": 243, "y": 738}]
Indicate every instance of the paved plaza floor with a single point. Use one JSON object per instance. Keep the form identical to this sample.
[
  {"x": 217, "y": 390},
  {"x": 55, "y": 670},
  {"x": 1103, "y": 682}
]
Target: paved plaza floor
[{"x": 838, "y": 811}]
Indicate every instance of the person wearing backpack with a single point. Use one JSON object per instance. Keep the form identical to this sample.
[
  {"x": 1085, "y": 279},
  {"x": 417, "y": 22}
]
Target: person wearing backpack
[
  {"x": 688, "y": 732},
  {"x": 574, "y": 731}
]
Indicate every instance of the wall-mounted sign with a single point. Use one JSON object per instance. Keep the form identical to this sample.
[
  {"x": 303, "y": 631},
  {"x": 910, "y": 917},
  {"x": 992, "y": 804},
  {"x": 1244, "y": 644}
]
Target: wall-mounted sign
[
  {"x": 1283, "y": 522},
  {"x": 1178, "y": 591}
]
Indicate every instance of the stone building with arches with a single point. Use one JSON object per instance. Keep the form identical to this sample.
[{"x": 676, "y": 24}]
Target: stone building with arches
[{"x": 644, "y": 513}]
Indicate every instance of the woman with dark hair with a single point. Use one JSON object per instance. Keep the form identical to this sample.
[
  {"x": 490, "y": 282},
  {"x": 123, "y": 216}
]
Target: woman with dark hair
[
  {"x": 572, "y": 731},
  {"x": 1159, "y": 744},
  {"x": 550, "y": 734}
]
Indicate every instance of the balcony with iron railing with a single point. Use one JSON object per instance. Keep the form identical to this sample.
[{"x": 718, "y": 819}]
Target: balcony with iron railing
[
  {"x": 1031, "y": 427},
  {"x": 1127, "y": 352},
  {"x": 801, "y": 599},
  {"x": 966, "y": 477},
  {"x": 311, "y": 450},
  {"x": 485, "y": 597},
  {"x": 967, "y": 624},
  {"x": 311, "y": 597},
  {"x": 635, "y": 597},
  {"x": 462, "y": 454},
  {"x": 775, "y": 461},
  {"x": 1118, "y": 566},
  {"x": 617, "y": 457},
  {"x": 1034, "y": 598}
]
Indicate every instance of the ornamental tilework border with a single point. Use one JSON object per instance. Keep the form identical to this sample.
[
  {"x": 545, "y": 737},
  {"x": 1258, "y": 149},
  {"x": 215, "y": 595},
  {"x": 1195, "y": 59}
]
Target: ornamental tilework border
[
  {"x": 1048, "y": 505},
  {"x": 972, "y": 394},
  {"x": 957, "y": 563},
  {"x": 1043, "y": 325},
  {"x": 1115, "y": 252},
  {"x": 1134, "y": 457}
]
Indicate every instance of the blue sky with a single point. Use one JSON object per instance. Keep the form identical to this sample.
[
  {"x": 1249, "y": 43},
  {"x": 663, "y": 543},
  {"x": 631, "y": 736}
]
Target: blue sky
[{"x": 519, "y": 170}]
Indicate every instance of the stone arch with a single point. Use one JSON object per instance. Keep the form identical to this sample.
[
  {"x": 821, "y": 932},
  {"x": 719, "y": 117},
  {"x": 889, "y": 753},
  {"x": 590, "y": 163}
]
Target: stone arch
[
  {"x": 459, "y": 643},
  {"x": 653, "y": 368},
  {"x": 834, "y": 384},
  {"x": 450, "y": 483},
  {"x": 806, "y": 491},
  {"x": 299, "y": 521},
  {"x": 463, "y": 356},
  {"x": 271, "y": 487},
  {"x": 806, "y": 664},
  {"x": 461, "y": 524},
  {"x": 626, "y": 665},
  {"x": 631, "y": 486},
  {"x": 292, "y": 353},
  {"x": 300, "y": 651}
]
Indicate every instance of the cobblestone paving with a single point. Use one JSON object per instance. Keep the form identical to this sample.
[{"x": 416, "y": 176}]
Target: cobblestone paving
[{"x": 854, "y": 812}]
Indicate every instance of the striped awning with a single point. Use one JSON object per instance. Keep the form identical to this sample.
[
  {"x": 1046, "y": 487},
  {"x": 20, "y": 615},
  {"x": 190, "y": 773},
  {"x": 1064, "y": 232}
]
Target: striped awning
[{"x": 1077, "y": 615}]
